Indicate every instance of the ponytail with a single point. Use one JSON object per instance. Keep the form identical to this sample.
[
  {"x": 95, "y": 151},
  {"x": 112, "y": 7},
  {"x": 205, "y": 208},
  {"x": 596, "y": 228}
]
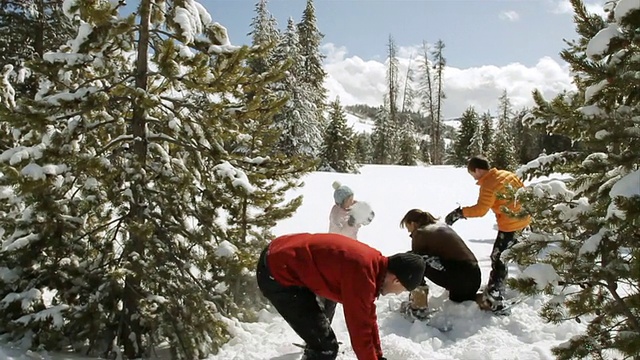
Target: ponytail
[{"x": 419, "y": 217}]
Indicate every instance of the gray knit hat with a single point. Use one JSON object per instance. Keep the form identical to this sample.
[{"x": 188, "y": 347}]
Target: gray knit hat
[
  {"x": 408, "y": 268},
  {"x": 341, "y": 193}
]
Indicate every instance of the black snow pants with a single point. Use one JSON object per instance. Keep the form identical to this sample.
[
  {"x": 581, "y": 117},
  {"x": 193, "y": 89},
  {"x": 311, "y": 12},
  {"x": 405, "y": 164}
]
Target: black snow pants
[
  {"x": 499, "y": 271},
  {"x": 461, "y": 278},
  {"x": 309, "y": 316}
]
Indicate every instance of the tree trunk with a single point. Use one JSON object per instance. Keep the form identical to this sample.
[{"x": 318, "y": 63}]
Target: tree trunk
[{"x": 132, "y": 332}]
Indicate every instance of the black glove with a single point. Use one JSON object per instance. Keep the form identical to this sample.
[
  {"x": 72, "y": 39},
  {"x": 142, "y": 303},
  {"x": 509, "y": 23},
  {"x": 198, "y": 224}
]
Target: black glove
[
  {"x": 382, "y": 358},
  {"x": 454, "y": 216},
  {"x": 351, "y": 220}
]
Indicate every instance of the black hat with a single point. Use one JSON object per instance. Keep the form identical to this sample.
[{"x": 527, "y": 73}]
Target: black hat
[{"x": 408, "y": 268}]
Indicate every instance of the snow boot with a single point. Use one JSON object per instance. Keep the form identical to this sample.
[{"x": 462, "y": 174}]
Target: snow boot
[
  {"x": 494, "y": 300},
  {"x": 417, "y": 308}
]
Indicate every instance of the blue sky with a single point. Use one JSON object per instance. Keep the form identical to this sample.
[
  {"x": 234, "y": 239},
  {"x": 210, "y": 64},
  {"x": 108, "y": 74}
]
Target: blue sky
[
  {"x": 476, "y": 32},
  {"x": 491, "y": 45}
]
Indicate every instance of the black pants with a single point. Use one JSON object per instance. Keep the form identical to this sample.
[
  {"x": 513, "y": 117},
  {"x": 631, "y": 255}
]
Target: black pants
[
  {"x": 499, "y": 270},
  {"x": 461, "y": 278},
  {"x": 301, "y": 309}
]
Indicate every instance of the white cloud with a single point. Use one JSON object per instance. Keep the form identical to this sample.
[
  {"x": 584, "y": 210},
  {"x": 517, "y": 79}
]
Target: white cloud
[
  {"x": 357, "y": 81},
  {"x": 509, "y": 15},
  {"x": 564, "y": 6}
]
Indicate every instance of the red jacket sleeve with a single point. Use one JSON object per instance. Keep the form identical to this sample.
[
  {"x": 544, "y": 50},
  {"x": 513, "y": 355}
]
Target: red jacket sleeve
[{"x": 359, "y": 294}]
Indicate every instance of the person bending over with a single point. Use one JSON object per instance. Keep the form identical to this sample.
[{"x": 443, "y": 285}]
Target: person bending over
[{"x": 295, "y": 269}]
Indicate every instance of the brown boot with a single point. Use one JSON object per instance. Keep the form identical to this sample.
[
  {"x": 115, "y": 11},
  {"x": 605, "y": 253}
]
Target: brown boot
[
  {"x": 483, "y": 304},
  {"x": 419, "y": 297}
]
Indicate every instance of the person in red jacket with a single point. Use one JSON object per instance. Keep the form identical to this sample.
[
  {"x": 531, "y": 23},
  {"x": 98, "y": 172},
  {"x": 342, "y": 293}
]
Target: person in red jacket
[{"x": 296, "y": 268}]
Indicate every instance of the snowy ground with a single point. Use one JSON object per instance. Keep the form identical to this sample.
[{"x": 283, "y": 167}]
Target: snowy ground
[{"x": 392, "y": 191}]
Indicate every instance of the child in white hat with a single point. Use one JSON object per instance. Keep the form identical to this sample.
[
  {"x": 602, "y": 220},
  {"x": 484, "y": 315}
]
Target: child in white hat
[{"x": 340, "y": 220}]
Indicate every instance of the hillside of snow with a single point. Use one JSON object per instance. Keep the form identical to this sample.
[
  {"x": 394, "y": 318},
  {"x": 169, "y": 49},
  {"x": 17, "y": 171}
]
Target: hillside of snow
[{"x": 359, "y": 124}]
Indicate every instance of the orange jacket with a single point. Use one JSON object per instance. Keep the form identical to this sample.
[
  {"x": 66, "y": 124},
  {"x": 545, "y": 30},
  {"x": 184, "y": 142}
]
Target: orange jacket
[{"x": 492, "y": 183}]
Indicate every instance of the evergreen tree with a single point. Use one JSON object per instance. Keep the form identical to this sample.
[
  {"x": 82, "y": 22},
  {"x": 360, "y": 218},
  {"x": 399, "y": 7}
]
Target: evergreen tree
[
  {"x": 469, "y": 128},
  {"x": 312, "y": 72},
  {"x": 425, "y": 151},
  {"x": 363, "y": 148},
  {"x": 125, "y": 176},
  {"x": 382, "y": 150},
  {"x": 28, "y": 29},
  {"x": 585, "y": 228},
  {"x": 486, "y": 121},
  {"x": 407, "y": 148},
  {"x": 264, "y": 33},
  {"x": 338, "y": 153},
  {"x": 527, "y": 141},
  {"x": 476, "y": 146},
  {"x": 502, "y": 152},
  {"x": 300, "y": 133}
]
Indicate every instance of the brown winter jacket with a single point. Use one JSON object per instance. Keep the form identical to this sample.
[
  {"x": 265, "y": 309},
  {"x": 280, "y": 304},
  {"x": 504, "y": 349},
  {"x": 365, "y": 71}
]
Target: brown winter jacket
[{"x": 442, "y": 241}]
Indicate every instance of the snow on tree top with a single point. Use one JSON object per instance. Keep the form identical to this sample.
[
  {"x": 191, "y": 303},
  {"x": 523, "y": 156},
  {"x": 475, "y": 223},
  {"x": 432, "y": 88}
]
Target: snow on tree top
[
  {"x": 17, "y": 154},
  {"x": 542, "y": 274},
  {"x": 553, "y": 188},
  {"x": 624, "y": 8},
  {"x": 67, "y": 5},
  {"x": 591, "y": 244},
  {"x": 594, "y": 89},
  {"x": 37, "y": 172},
  {"x": 226, "y": 249},
  {"x": 628, "y": 186},
  {"x": 599, "y": 44},
  {"x": 592, "y": 111},
  {"x": 193, "y": 18},
  {"x": 237, "y": 177}
]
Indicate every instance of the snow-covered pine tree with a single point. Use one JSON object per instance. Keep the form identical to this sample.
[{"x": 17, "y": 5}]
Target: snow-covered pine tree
[
  {"x": 424, "y": 152},
  {"x": 27, "y": 30},
  {"x": 469, "y": 128},
  {"x": 363, "y": 148},
  {"x": 407, "y": 147},
  {"x": 502, "y": 152},
  {"x": 475, "y": 146},
  {"x": 115, "y": 222},
  {"x": 382, "y": 137},
  {"x": 264, "y": 33},
  {"x": 253, "y": 148},
  {"x": 300, "y": 133},
  {"x": 486, "y": 125},
  {"x": 312, "y": 71},
  {"x": 526, "y": 140},
  {"x": 338, "y": 150},
  {"x": 585, "y": 228}
]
